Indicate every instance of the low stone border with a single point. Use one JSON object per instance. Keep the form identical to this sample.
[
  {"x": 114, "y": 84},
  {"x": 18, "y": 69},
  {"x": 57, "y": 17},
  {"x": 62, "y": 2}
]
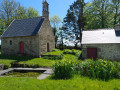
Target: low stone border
[
  {"x": 45, "y": 74},
  {"x": 1, "y": 66}
]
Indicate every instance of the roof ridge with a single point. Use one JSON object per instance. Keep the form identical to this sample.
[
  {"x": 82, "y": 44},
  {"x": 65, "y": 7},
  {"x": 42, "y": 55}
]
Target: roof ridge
[
  {"x": 30, "y": 18},
  {"x": 99, "y": 29}
]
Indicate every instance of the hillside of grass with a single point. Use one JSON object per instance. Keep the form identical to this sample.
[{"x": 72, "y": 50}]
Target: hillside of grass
[{"x": 75, "y": 83}]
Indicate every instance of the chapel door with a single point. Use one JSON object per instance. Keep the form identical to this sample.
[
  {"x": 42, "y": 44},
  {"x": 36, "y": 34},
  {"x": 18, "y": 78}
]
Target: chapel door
[
  {"x": 48, "y": 47},
  {"x": 21, "y": 47}
]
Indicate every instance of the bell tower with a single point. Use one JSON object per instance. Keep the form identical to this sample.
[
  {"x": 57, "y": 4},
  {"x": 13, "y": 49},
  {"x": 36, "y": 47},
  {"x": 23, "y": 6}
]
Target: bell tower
[{"x": 45, "y": 11}]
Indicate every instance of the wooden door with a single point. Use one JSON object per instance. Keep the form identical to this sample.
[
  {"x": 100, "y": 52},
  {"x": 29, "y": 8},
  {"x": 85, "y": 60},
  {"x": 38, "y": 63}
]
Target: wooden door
[
  {"x": 92, "y": 53},
  {"x": 48, "y": 47},
  {"x": 21, "y": 47}
]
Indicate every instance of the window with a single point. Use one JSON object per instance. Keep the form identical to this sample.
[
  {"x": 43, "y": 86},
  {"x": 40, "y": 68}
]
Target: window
[{"x": 10, "y": 42}]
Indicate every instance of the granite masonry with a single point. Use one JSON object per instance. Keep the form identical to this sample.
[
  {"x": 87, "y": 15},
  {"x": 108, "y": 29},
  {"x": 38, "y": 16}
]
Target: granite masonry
[
  {"x": 102, "y": 44},
  {"x": 32, "y": 36}
]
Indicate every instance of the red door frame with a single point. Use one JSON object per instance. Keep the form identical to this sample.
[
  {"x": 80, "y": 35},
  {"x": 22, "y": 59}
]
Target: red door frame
[
  {"x": 48, "y": 47},
  {"x": 92, "y": 53},
  {"x": 21, "y": 47}
]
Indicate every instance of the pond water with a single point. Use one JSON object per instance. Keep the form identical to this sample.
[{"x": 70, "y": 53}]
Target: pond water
[{"x": 24, "y": 73}]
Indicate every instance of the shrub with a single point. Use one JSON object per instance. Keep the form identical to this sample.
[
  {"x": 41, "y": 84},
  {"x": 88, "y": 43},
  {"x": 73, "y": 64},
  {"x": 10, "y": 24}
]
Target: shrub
[
  {"x": 63, "y": 69},
  {"x": 67, "y": 51},
  {"x": 101, "y": 69},
  {"x": 6, "y": 66},
  {"x": 75, "y": 52}
]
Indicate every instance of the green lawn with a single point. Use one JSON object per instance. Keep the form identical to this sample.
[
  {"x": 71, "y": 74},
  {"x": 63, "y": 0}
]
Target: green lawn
[
  {"x": 46, "y": 62},
  {"x": 75, "y": 83},
  {"x": 6, "y": 60},
  {"x": 54, "y": 53}
]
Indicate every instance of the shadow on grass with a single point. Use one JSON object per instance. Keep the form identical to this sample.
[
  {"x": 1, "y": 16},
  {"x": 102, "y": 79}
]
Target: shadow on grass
[
  {"x": 52, "y": 77},
  {"x": 17, "y": 58}
]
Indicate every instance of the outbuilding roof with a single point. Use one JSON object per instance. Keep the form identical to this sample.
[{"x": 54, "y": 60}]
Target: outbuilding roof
[
  {"x": 24, "y": 27},
  {"x": 101, "y": 36}
]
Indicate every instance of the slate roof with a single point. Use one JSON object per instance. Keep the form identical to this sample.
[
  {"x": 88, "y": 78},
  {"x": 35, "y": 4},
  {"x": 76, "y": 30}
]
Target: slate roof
[
  {"x": 24, "y": 27},
  {"x": 101, "y": 36}
]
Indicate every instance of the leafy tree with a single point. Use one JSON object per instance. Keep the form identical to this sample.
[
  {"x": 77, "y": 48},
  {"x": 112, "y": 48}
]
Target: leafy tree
[
  {"x": 74, "y": 22},
  {"x": 99, "y": 14},
  {"x": 7, "y": 9},
  {"x": 20, "y": 12},
  {"x": 10, "y": 10},
  {"x": 55, "y": 21},
  {"x": 31, "y": 12},
  {"x": 116, "y": 9},
  {"x": 1, "y": 26}
]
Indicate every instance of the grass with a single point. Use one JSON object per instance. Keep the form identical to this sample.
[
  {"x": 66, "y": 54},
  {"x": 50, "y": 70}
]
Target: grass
[
  {"x": 75, "y": 83},
  {"x": 40, "y": 62},
  {"x": 46, "y": 62},
  {"x": 6, "y": 62},
  {"x": 54, "y": 53},
  {"x": 32, "y": 61}
]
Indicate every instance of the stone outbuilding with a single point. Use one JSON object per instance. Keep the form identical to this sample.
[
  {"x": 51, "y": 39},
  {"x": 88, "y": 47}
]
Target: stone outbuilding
[
  {"x": 32, "y": 36},
  {"x": 101, "y": 43}
]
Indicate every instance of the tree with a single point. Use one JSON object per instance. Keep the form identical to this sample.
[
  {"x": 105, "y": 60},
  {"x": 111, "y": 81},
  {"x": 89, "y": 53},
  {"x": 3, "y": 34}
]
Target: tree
[
  {"x": 7, "y": 10},
  {"x": 74, "y": 22},
  {"x": 11, "y": 10},
  {"x": 116, "y": 8},
  {"x": 31, "y": 12},
  {"x": 99, "y": 14},
  {"x": 55, "y": 21},
  {"x": 20, "y": 12},
  {"x": 1, "y": 26}
]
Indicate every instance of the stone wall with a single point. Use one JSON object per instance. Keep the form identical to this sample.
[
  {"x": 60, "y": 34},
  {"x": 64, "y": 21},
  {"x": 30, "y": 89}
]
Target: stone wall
[
  {"x": 108, "y": 51},
  {"x": 46, "y": 36},
  {"x": 31, "y": 45},
  {"x": 1, "y": 66}
]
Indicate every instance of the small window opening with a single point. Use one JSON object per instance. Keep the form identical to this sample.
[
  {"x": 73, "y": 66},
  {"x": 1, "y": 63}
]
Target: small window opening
[{"x": 10, "y": 42}]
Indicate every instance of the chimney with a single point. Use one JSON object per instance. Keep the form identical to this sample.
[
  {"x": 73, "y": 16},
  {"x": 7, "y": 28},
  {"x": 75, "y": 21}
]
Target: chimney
[{"x": 117, "y": 27}]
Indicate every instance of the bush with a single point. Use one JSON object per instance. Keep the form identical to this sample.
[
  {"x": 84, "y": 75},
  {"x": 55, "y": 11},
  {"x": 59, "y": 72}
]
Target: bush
[
  {"x": 75, "y": 52},
  {"x": 63, "y": 69},
  {"x": 67, "y": 51},
  {"x": 6, "y": 66},
  {"x": 101, "y": 69}
]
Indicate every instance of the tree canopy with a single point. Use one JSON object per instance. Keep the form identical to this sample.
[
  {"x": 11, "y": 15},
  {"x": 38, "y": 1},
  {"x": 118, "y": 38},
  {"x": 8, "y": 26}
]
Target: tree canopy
[
  {"x": 10, "y": 10},
  {"x": 74, "y": 22}
]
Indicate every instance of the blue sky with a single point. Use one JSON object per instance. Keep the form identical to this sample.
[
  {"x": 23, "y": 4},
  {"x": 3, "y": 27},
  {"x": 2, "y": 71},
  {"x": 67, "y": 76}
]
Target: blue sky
[{"x": 56, "y": 7}]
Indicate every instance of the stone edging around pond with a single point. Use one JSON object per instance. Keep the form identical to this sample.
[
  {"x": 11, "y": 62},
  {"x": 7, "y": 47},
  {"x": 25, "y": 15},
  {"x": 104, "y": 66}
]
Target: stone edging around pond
[
  {"x": 1, "y": 66},
  {"x": 45, "y": 74}
]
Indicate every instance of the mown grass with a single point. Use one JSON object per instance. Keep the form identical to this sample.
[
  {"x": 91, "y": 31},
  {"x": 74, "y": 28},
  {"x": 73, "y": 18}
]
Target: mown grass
[
  {"x": 32, "y": 61},
  {"x": 6, "y": 62},
  {"x": 75, "y": 83},
  {"x": 46, "y": 62},
  {"x": 59, "y": 52}
]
